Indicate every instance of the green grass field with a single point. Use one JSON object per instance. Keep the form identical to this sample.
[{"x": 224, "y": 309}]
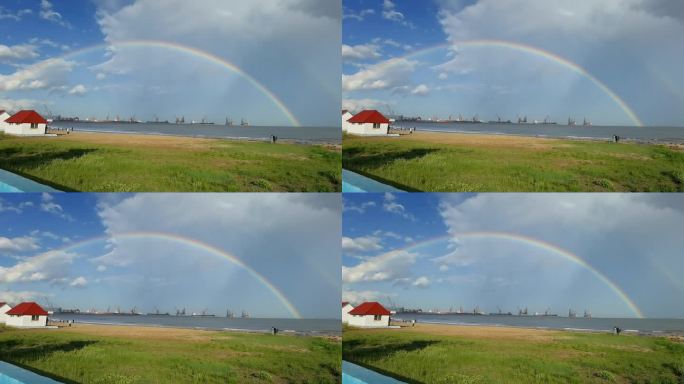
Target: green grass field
[
  {"x": 72, "y": 164},
  {"x": 203, "y": 357},
  {"x": 564, "y": 357},
  {"x": 550, "y": 165}
]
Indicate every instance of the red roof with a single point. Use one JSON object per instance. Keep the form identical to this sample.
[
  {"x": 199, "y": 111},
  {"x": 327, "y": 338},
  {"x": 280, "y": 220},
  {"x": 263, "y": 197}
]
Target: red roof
[
  {"x": 369, "y": 116},
  {"x": 28, "y": 308},
  {"x": 27, "y": 117},
  {"x": 370, "y": 308}
]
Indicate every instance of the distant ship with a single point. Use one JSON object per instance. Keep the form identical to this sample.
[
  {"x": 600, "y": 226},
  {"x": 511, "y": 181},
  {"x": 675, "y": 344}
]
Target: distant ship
[
  {"x": 244, "y": 315},
  {"x": 229, "y": 122},
  {"x": 243, "y": 123},
  {"x": 586, "y": 123},
  {"x": 571, "y": 121}
]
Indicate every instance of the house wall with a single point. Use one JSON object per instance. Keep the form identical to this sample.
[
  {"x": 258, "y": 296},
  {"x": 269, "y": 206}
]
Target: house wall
[
  {"x": 367, "y": 129},
  {"x": 3, "y": 311},
  {"x": 3, "y": 124},
  {"x": 367, "y": 321},
  {"x": 25, "y": 321},
  {"x": 25, "y": 129},
  {"x": 345, "y": 123},
  {"x": 345, "y": 313}
]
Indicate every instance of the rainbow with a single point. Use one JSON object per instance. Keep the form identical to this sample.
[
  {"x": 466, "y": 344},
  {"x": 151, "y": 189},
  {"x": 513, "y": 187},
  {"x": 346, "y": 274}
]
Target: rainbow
[
  {"x": 210, "y": 249},
  {"x": 195, "y": 52},
  {"x": 540, "y": 53},
  {"x": 553, "y": 249}
]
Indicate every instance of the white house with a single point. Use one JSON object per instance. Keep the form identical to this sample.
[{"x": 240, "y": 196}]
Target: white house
[
  {"x": 27, "y": 315},
  {"x": 3, "y": 117},
  {"x": 369, "y": 315},
  {"x": 346, "y": 307},
  {"x": 368, "y": 122},
  {"x": 26, "y": 122},
  {"x": 346, "y": 115},
  {"x": 4, "y": 307}
]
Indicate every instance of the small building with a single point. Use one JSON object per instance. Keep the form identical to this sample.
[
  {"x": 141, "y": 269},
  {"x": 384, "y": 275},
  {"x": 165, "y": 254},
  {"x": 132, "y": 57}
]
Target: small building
[
  {"x": 26, "y": 122},
  {"x": 369, "y": 315},
  {"x": 27, "y": 315},
  {"x": 4, "y": 307},
  {"x": 346, "y": 115},
  {"x": 3, "y": 118},
  {"x": 346, "y": 308},
  {"x": 368, "y": 122}
]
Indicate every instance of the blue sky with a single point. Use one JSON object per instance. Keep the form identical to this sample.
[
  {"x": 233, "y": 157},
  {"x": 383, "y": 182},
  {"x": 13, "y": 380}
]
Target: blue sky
[
  {"x": 442, "y": 251},
  {"x": 289, "y": 47},
  {"x": 630, "y": 46},
  {"x": 47, "y": 253}
]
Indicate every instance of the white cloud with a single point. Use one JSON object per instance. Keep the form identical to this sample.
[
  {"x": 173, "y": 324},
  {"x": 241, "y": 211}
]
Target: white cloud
[
  {"x": 443, "y": 76},
  {"x": 361, "y": 244},
  {"x": 389, "y": 266},
  {"x": 384, "y": 75},
  {"x": 349, "y": 206},
  {"x": 360, "y": 52},
  {"x": 78, "y": 90},
  {"x": 361, "y": 104},
  {"x": 100, "y": 76},
  {"x": 421, "y": 282},
  {"x": 17, "y": 52},
  {"x": 43, "y": 75},
  {"x": 20, "y": 296},
  {"x": 420, "y": 90},
  {"x": 358, "y": 297},
  {"x": 360, "y": 16},
  {"x": 101, "y": 268},
  {"x": 17, "y": 16},
  {"x": 389, "y": 12},
  {"x": 47, "y": 266},
  {"x": 18, "y": 244},
  {"x": 48, "y": 13},
  {"x": 19, "y": 104},
  {"x": 79, "y": 282},
  {"x": 391, "y": 205}
]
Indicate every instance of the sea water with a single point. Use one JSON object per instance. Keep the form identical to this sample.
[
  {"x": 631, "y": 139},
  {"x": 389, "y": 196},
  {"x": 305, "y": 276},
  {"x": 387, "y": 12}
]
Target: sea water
[{"x": 300, "y": 134}]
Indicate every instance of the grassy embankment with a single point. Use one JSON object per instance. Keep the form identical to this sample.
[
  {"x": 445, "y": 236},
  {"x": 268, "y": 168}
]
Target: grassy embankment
[
  {"x": 461, "y": 162},
  {"x": 128, "y": 163},
  {"x": 122, "y": 355},
  {"x": 430, "y": 354}
]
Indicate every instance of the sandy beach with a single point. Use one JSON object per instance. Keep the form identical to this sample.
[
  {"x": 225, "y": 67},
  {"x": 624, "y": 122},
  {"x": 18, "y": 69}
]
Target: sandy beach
[{"x": 510, "y": 141}]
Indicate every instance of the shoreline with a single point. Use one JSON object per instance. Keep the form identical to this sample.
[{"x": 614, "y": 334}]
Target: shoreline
[
  {"x": 322, "y": 142},
  {"x": 521, "y": 328},
  {"x": 422, "y": 133},
  {"x": 159, "y": 327}
]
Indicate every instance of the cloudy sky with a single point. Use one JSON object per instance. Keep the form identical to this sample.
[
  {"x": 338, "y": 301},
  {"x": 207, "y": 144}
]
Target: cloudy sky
[
  {"x": 513, "y": 251},
  {"x": 76, "y": 58},
  {"x": 86, "y": 251},
  {"x": 632, "y": 47}
]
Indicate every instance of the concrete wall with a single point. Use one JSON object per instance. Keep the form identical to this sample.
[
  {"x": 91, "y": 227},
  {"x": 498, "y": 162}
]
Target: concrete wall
[
  {"x": 3, "y": 124},
  {"x": 345, "y": 313},
  {"x": 368, "y": 321},
  {"x": 3, "y": 311},
  {"x": 25, "y": 321},
  {"x": 367, "y": 129},
  {"x": 25, "y": 129},
  {"x": 345, "y": 123}
]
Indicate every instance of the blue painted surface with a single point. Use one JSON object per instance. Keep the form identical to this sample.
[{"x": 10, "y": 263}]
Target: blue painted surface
[
  {"x": 355, "y": 374},
  {"x": 9, "y": 182},
  {"x": 353, "y": 182},
  {"x": 11, "y": 374}
]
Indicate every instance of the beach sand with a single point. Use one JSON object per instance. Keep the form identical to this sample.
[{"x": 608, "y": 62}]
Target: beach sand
[
  {"x": 506, "y": 141},
  {"x": 480, "y": 332}
]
